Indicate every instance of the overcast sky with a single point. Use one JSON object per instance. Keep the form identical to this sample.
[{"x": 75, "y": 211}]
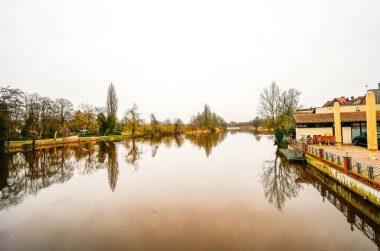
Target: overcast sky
[{"x": 172, "y": 57}]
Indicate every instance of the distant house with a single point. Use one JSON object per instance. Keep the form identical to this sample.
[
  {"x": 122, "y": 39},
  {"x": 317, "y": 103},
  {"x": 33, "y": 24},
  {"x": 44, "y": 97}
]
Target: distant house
[
  {"x": 83, "y": 132},
  {"x": 320, "y": 120}
]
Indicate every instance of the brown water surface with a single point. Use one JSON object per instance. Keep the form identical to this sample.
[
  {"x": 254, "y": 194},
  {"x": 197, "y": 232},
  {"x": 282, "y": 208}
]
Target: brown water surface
[{"x": 215, "y": 192}]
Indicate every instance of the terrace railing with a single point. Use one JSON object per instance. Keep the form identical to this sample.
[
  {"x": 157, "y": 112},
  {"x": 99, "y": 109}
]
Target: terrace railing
[{"x": 369, "y": 171}]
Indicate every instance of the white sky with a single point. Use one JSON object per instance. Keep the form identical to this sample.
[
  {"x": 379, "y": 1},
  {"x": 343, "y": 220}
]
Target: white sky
[{"x": 171, "y": 57}]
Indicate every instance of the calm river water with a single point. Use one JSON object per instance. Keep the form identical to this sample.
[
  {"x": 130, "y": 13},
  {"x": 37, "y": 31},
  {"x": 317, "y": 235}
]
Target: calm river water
[{"x": 218, "y": 192}]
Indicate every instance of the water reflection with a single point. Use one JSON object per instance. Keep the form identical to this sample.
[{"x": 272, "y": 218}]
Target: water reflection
[
  {"x": 146, "y": 212},
  {"x": 25, "y": 173},
  {"x": 134, "y": 152},
  {"x": 28, "y": 172},
  {"x": 112, "y": 164},
  {"x": 279, "y": 182},
  {"x": 208, "y": 141},
  {"x": 282, "y": 181}
]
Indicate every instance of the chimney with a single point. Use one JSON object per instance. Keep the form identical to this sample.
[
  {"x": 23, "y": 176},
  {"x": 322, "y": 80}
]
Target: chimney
[{"x": 378, "y": 86}]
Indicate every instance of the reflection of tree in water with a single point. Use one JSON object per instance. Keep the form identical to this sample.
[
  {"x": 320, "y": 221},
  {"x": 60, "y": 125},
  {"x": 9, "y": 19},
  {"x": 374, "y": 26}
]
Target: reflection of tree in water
[
  {"x": 256, "y": 134},
  {"x": 106, "y": 157},
  {"x": 133, "y": 152},
  {"x": 279, "y": 182},
  {"x": 179, "y": 140},
  {"x": 207, "y": 141},
  {"x": 25, "y": 173},
  {"x": 112, "y": 165},
  {"x": 28, "y": 172},
  {"x": 153, "y": 142},
  {"x": 87, "y": 153}
]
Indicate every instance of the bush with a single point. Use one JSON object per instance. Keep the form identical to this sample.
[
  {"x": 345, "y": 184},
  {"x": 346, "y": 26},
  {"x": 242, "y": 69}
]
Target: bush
[{"x": 279, "y": 135}]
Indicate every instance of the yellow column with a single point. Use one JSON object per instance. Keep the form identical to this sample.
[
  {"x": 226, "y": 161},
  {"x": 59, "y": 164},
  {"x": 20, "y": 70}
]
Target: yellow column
[
  {"x": 371, "y": 124},
  {"x": 337, "y": 125}
]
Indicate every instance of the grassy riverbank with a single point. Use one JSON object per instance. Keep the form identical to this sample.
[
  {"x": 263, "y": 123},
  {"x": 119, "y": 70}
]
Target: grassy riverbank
[
  {"x": 14, "y": 146},
  {"x": 27, "y": 144}
]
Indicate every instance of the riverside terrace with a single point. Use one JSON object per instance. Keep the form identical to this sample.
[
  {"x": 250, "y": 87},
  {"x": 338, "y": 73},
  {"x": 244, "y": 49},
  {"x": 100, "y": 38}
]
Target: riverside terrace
[
  {"x": 359, "y": 157},
  {"x": 350, "y": 166}
]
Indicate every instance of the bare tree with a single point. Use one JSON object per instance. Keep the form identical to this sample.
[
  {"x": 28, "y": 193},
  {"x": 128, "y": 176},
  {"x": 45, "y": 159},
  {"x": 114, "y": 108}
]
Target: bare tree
[
  {"x": 132, "y": 118},
  {"x": 277, "y": 106},
  {"x": 89, "y": 114},
  {"x": 269, "y": 102},
  {"x": 64, "y": 109},
  {"x": 178, "y": 127},
  {"x": 11, "y": 108}
]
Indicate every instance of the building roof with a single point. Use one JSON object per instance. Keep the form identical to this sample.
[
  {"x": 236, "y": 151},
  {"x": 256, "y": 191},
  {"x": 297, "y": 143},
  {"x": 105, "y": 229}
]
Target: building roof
[
  {"x": 305, "y": 110},
  {"x": 340, "y": 100},
  {"x": 354, "y": 101},
  {"x": 377, "y": 96},
  {"x": 304, "y": 118}
]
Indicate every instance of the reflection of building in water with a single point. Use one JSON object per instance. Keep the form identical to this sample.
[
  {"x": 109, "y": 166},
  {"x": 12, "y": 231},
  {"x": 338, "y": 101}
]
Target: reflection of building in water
[
  {"x": 360, "y": 213},
  {"x": 354, "y": 216}
]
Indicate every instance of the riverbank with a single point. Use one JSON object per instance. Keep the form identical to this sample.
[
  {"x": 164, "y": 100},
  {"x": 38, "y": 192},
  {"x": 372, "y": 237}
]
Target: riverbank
[
  {"x": 21, "y": 145},
  {"x": 250, "y": 128},
  {"x": 14, "y": 146}
]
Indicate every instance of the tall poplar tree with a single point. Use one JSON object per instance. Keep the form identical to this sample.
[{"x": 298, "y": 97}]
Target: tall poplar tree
[{"x": 111, "y": 108}]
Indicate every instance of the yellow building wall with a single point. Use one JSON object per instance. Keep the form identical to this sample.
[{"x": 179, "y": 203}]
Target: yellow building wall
[{"x": 324, "y": 131}]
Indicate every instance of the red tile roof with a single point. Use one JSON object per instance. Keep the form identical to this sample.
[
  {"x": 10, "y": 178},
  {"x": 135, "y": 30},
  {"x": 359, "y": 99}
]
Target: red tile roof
[
  {"x": 331, "y": 102},
  {"x": 304, "y": 118}
]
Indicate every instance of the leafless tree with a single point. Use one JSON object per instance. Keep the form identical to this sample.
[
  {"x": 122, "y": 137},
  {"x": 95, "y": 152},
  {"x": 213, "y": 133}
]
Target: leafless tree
[
  {"x": 64, "y": 109},
  {"x": 269, "y": 101},
  {"x": 132, "y": 118},
  {"x": 277, "y": 105},
  {"x": 89, "y": 113},
  {"x": 178, "y": 127},
  {"x": 11, "y": 109}
]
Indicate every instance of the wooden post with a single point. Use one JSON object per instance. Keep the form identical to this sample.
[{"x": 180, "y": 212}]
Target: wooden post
[
  {"x": 320, "y": 153},
  {"x": 347, "y": 164}
]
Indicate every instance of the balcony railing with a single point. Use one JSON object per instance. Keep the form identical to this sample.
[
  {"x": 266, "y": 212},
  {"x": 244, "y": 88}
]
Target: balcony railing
[{"x": 357, "y": 167}]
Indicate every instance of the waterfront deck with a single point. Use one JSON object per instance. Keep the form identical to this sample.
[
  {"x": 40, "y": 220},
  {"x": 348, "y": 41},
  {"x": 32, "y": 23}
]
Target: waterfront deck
[
  {"x": 350, "y": 166},
  {"x": 358, "y": 153}
]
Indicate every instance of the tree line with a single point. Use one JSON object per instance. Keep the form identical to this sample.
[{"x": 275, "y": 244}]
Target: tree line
[{"x": 33, "y": 116}]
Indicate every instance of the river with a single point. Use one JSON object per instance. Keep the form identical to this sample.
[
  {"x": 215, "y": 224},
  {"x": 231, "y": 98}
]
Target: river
[{"x": 217, "y": 192}]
